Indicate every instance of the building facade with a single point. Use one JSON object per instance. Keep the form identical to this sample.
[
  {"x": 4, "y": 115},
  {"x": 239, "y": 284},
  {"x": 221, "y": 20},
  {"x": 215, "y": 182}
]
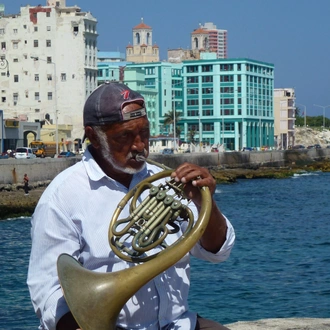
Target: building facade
[
  {"x": 217, "y": 39},
  {"x": 142, "y": 50},
  {"x": 51, "y": 57},
  {"x": 285, "y": 117},
  {"x": 219, "y": 102}
]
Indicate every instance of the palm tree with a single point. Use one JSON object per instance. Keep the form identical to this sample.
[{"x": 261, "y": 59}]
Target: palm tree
[
  {"x": 191, "y": 136},
  {"x": 169, "y": 120}
]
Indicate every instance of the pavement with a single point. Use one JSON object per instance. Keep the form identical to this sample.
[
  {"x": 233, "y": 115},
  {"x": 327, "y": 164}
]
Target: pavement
[{"x": 282, "y": 324}]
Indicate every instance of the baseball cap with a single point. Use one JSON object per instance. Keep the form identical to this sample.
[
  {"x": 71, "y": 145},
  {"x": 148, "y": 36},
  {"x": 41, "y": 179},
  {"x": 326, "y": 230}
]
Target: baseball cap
[{"x": 106, "y": 104}]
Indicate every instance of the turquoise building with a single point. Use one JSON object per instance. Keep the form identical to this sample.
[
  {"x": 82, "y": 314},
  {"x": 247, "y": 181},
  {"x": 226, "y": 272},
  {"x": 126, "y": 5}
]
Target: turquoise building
[{"x": 225, "y": 102}]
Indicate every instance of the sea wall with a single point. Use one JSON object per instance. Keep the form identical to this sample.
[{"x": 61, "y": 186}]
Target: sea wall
[{"x": 12, "y": 170}]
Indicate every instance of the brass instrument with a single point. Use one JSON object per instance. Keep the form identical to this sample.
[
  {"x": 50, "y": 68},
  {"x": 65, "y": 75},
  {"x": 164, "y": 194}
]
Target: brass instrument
[{"x": 96, "y": 299}]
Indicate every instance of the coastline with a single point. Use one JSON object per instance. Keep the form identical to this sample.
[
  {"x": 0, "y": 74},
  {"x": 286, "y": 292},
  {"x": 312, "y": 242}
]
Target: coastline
[{"x": 14, "y": 203}]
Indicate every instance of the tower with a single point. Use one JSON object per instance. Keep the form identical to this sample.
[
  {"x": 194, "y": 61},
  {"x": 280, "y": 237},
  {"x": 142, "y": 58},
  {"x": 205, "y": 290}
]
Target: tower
[{"x": 142, "y": 50}]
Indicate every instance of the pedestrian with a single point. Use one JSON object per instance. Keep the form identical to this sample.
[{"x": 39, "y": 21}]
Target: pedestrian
[
  {"x": 73, "y": 214},
  {"x": 26, "y": 184}
]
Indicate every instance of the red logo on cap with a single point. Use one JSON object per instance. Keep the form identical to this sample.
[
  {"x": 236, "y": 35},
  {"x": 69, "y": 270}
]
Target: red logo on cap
[{"x": 125, "y": 94}]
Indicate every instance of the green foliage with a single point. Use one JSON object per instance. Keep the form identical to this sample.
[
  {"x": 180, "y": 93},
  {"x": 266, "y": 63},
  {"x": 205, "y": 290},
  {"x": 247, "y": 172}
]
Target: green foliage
[
  {"x": 315, "y": 121},
  {"x": 169, "y": 120}
]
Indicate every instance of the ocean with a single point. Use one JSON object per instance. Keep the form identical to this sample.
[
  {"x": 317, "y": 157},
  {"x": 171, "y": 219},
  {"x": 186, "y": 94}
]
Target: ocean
[{"x": 279, "y": 266}]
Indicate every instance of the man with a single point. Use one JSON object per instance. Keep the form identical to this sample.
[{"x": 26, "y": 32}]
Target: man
[{"x": 73, "y": 217}]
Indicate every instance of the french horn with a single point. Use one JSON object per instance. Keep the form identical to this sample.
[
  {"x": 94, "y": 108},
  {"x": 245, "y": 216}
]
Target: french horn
[{"x": 95, "y": 299}]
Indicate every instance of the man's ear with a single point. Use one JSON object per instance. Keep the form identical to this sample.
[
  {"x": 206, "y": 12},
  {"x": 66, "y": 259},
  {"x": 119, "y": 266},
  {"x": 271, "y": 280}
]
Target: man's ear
[{"x": 92, "y": 137}]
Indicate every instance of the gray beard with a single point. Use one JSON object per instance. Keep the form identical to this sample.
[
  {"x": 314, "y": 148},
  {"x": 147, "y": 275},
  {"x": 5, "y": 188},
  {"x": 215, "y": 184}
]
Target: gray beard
[{"x": 107, "y": 155}]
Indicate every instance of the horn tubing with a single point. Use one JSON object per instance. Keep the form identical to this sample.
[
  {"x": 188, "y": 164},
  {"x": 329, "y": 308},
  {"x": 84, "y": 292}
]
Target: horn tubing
[{"x": 96, "y": 299}]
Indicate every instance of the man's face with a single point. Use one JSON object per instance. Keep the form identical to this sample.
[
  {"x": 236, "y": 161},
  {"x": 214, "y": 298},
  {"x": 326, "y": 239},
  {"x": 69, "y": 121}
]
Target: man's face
[{"x": 123, "y": 141}]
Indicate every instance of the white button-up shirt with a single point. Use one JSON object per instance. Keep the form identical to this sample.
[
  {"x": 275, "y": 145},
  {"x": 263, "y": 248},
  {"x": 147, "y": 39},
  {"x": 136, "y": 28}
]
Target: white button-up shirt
[{"x": 73, "y": 217}]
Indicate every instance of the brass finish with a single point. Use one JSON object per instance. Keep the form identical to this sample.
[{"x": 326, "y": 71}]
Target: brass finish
[{"x": 96, "y": 299}]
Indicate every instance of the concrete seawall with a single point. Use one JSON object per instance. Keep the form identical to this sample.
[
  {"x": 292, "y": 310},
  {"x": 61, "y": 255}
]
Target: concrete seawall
[{"x": 12, "y": 170}]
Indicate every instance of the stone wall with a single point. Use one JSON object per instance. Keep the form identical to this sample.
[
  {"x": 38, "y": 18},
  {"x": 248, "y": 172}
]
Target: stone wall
[{"x": 12, "y": 170}]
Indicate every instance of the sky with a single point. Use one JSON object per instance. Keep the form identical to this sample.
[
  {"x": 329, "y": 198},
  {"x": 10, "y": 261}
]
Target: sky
[{"x": 294, "y": 35}]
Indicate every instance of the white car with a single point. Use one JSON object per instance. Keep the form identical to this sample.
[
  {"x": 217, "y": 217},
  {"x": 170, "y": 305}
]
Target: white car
[{"x": 24, "y": 153}]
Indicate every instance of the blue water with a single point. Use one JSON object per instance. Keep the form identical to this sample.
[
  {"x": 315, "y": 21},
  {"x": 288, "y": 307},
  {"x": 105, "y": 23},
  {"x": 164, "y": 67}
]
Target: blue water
[{"x": 279, "y": 266}]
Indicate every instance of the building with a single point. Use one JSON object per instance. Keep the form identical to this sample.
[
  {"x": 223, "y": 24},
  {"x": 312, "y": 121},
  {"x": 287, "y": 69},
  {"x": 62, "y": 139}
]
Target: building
[
  {"x": 142, "y": 50},
  {"x": 226, "y": 102},
  {"x": 205, "y": 39},
  {"x": 51, "y": 57},
  {"x": 110, "y": 66},
  {"x": 284, "y": 113},
  {"x": 217, "y": 39}
]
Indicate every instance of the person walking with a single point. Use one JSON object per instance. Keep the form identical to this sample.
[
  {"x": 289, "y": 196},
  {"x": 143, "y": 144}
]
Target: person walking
[{"x": 26, "y": 184}]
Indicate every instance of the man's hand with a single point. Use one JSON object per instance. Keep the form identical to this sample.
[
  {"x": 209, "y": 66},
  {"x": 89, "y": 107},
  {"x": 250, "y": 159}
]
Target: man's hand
[{"x": 194, "y": 177}]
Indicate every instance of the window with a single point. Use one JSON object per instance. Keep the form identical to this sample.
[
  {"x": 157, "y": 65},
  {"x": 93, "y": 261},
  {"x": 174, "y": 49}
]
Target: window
[
  {"x": 48, "y": 43},
  {"x": 192, "y": 68},
  {"x": 36, "y": 77},
  {"x": 3, "y": 45},
  {"x": 49, "y": 77},
  {"x": 15, "y": 98},
  {"x": 206, "y": 68},
  {"x": 36, "y": 96},
  {"x": 35, "y": 29},
  {"x": 15, "y": 45},
  {"x": 2, "y": 31},
  {"x": 16, "y": 78},
  {"x": 35, "y": 43},
  {"x": 63, "y": 76},
  {"x": 207, "y": 78},
  {"x": 15, "y": 31},
  {"x": 37, "y": 110},
  {"x": 48, "y": 14},
  {"x": 15, "y": 60},
  {"x": 49, "y": 59},
  {"x": 50, "y": 96},
  {"x": 48, "y": 28},
  {"x": 3, "y": 99}
]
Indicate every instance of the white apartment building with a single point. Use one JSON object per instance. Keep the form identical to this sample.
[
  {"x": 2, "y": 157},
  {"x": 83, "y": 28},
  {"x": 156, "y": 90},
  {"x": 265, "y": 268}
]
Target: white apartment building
[
  {"x": 284, "y": 117},
  {"x": 48, "y": 66}
]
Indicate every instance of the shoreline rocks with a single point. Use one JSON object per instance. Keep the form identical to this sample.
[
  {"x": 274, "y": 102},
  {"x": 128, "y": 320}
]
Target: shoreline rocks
[{"x": 14, "y": 203}]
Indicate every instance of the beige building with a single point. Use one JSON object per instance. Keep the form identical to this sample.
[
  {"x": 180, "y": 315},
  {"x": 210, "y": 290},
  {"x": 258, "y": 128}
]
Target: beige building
[
  {"x": 284, "y": 117},
  {"x": 50, "y": 55},
  {"x": 142, "y": 50},
  {"x": 205, "y": 39}
]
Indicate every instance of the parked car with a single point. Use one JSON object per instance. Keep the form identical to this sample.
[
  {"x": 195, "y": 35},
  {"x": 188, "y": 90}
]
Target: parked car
[
  {"x": 248, "y": 149},
  {"x": 65, "y": 154},
  {"x": 314, "y": 146},
  {"x": 328, "y": 146},
  {"x": 24, "y": 153},
  {"x": 298, "y": 146},
  {"x": 167, "y": 151}
]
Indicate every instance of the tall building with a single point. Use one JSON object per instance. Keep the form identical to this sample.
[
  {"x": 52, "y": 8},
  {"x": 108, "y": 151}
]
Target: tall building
[
  {"x": 226, "y": 102},
  {"x": 208, "y": 38},
  {"x": 284, "y": 111},
  {"x": 50, "y": 57},
  {"x": 142, "y": 50},
  {"x": 205, "y": 39}
]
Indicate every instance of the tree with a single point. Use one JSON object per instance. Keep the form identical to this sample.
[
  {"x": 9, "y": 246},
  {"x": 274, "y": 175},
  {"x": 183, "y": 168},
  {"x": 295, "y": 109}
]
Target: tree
[
  {"x": 169, "y": 120},
  {"x": 191, "y": 136}
]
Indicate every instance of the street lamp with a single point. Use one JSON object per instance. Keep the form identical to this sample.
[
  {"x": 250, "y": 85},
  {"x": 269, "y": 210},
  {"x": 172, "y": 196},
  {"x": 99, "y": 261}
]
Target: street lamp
[
  {"x": 174, "y": 123},
  {"x": 4, "y": 65},
  {"x": 324, "y": 107},
  {"x": 36, "y": 58}
]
